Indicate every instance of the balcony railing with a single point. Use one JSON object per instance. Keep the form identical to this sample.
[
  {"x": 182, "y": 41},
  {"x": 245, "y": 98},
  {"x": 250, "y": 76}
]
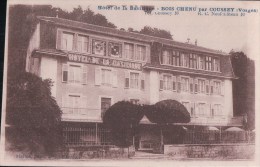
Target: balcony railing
[{"x": 81, "y": 113}]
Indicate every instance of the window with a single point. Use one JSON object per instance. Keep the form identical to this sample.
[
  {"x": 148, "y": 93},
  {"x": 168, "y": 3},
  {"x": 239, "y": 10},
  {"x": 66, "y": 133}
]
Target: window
[
  {"x": 74, "y": 104},
  {"x": 191, "y": 85},
  {"x": 105, "y": 104},
  {"x": 201, "y": 85},
  {"x": 201, "y": 62},
  {"x": 208, "y": 65},
  {"x": 99, "y": 47},
  {"x": 174, "y": 83},
  {"x": 114, "y": 49},
  {"x": 140, "y": 53},
  {"x": 216, "y": 110},
  {"x": 217, "y": 87},
  {"x": 134, "y": 80},
  {"x": 82, "y": 44},
  {"x": 184, "y": 60},
  {"x": 67, "y": 41},
  {"x": 134, "y": 101},
  {"x": 185, "y": 84},
  {"x": 74, "y": 74},
  {"x": 106, "y": 77},
  {"x": 201, "y": 109},
  {"x": 207, "y": 87},
  {"x": 129, "y": 51},
  {"x": 166, "y": 57},
  {"x": 167, "y": 82},
  {"x": 216, "y": 64},
  {"x": 176, "y": 58},
  {"x": 193, "y": 61}
]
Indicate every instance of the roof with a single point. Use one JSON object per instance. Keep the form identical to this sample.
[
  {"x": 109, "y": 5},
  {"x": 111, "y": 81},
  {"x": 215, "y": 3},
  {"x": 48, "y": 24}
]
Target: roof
[
  {"x": 124, "y": 34},
  {"x": 226, "y": 69}
]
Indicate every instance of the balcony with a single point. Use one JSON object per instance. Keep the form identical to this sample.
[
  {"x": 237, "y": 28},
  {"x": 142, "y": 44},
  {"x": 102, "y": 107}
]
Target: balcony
[{"x": 81, "y": 114}]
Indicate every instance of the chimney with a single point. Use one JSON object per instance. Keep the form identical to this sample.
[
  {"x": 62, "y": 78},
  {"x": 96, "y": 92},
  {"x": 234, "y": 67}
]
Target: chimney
[
  {"x": 57, "y": 13},
  {"x": 188, "y": 40}
]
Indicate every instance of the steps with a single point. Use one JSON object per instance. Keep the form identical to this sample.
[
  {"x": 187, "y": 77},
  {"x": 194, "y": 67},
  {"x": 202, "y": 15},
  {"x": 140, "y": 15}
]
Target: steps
[{"x": 147, "y": 155}]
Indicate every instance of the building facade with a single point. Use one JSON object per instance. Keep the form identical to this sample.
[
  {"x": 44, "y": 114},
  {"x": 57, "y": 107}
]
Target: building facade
[{"x": 93, "y": 67}]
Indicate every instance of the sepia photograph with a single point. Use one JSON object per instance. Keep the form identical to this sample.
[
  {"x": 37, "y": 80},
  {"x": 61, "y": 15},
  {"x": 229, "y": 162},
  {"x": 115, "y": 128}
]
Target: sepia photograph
[{"x": 129, "y": 83}]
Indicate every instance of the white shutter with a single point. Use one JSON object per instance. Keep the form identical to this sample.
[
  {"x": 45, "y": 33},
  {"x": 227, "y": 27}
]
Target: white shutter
[
  {"x": 98, "y": 76},
  {"x": 114, "y": 78},
  {"x": 222, "y": 89},
  {"x": 64, "y": 72},
  {"x": 84, "y": 75}
]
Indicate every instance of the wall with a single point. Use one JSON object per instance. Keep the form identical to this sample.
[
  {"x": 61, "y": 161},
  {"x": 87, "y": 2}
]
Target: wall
[
  {"x": 212, "y": 151},
  {"x": 96, "y": 152}
]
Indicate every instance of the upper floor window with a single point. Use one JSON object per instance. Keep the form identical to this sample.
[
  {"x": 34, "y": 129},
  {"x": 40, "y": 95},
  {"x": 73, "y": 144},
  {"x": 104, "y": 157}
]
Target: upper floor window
[
  {"x": 67, "y": 41},
  {"x": 140, "y": 53},
  {"x": 167, "y": 82},
  {"x": 184, "y": 84},
  {"x": 114, "y": 49},
  {"x": 216, "y": 110},
  {"x": 216, "y": 64},
  {"x": 201, "y": 85},
  {"x": 217, "y": 87},
  {"x": 98, "y": 47},
  {"x": 129, "y": 50},
  {"x": 201, "y": 109},
  {"x": 106, "y": 76},
  {"x": 134, "y": 80},
  {"x": 166, "y": 57},
  {"x": 201, "y": 62},
  {"x": 208, "y": 63},
  {"x": 176, "y": 58},
  {"x": 193, "y": 61},
  {"x": 184, "y": 60},
  {"x": 83, "y": 44},
  {"x": 74, "y": 73}
]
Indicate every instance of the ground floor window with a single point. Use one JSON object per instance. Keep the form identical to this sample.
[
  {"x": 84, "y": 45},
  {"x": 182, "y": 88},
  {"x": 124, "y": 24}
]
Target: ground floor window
[{"x": 105, "y": 104}]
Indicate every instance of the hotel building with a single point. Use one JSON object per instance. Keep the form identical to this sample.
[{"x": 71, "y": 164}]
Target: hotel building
[{"x": 93, "y": 67}]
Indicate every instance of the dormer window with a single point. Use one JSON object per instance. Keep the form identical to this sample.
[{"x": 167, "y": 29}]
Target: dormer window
[{"x": 67, "y": 41}]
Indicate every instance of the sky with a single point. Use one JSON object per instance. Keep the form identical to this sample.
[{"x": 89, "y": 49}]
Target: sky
[{"x": 216, "y": 32}]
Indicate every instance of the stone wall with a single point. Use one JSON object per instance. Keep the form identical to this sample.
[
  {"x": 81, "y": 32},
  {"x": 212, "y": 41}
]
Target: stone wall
[
  {"x": 211, "y": 151},
  {"x": 95, "y": 152}
]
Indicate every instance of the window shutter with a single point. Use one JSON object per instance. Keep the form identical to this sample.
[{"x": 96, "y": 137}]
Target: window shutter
[
  {"x": 207, "y": 110},
  {"x": 174, "y": 83},
  {"x": 97, "y": 76},
  {"x": 64, "y": 72},
  {"x": 211, "y": 87},
  {"x": 142, "y": 81},
  {"x": 195, "y": 85},
  {"x": 127, "y": 79},
  {"x": 84, "y": 74},
  {"x": 222, "y": 89},
  {"x": 191, "y": 85},
  {"x": 59, "y": 39},
  {"x": 178, "y": 84},
  {"x": 161, "y": 81},
  {"x": 114, "y": 78},
  {"x": 207, "y": 87}
]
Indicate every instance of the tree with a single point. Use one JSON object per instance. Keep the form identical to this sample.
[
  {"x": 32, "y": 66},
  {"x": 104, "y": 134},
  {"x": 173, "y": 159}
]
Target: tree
[
  {"x": 123, "y": 118},
  {"x": 156, "y": 32},
  {"x": 244, "y": 88},
  {"x": 33, "y": 115},
  {"x": 167, "y": 112}
]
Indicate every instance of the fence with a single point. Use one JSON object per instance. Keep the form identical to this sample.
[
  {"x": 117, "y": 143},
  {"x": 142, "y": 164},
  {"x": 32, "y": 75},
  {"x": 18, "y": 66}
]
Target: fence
[
  {"x": 86, "y": 136},
  {"x": 214, "y": 137}
]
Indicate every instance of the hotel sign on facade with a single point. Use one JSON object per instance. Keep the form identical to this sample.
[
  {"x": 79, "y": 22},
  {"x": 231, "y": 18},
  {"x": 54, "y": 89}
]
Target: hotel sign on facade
[{"x": 104, "y": 61}]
